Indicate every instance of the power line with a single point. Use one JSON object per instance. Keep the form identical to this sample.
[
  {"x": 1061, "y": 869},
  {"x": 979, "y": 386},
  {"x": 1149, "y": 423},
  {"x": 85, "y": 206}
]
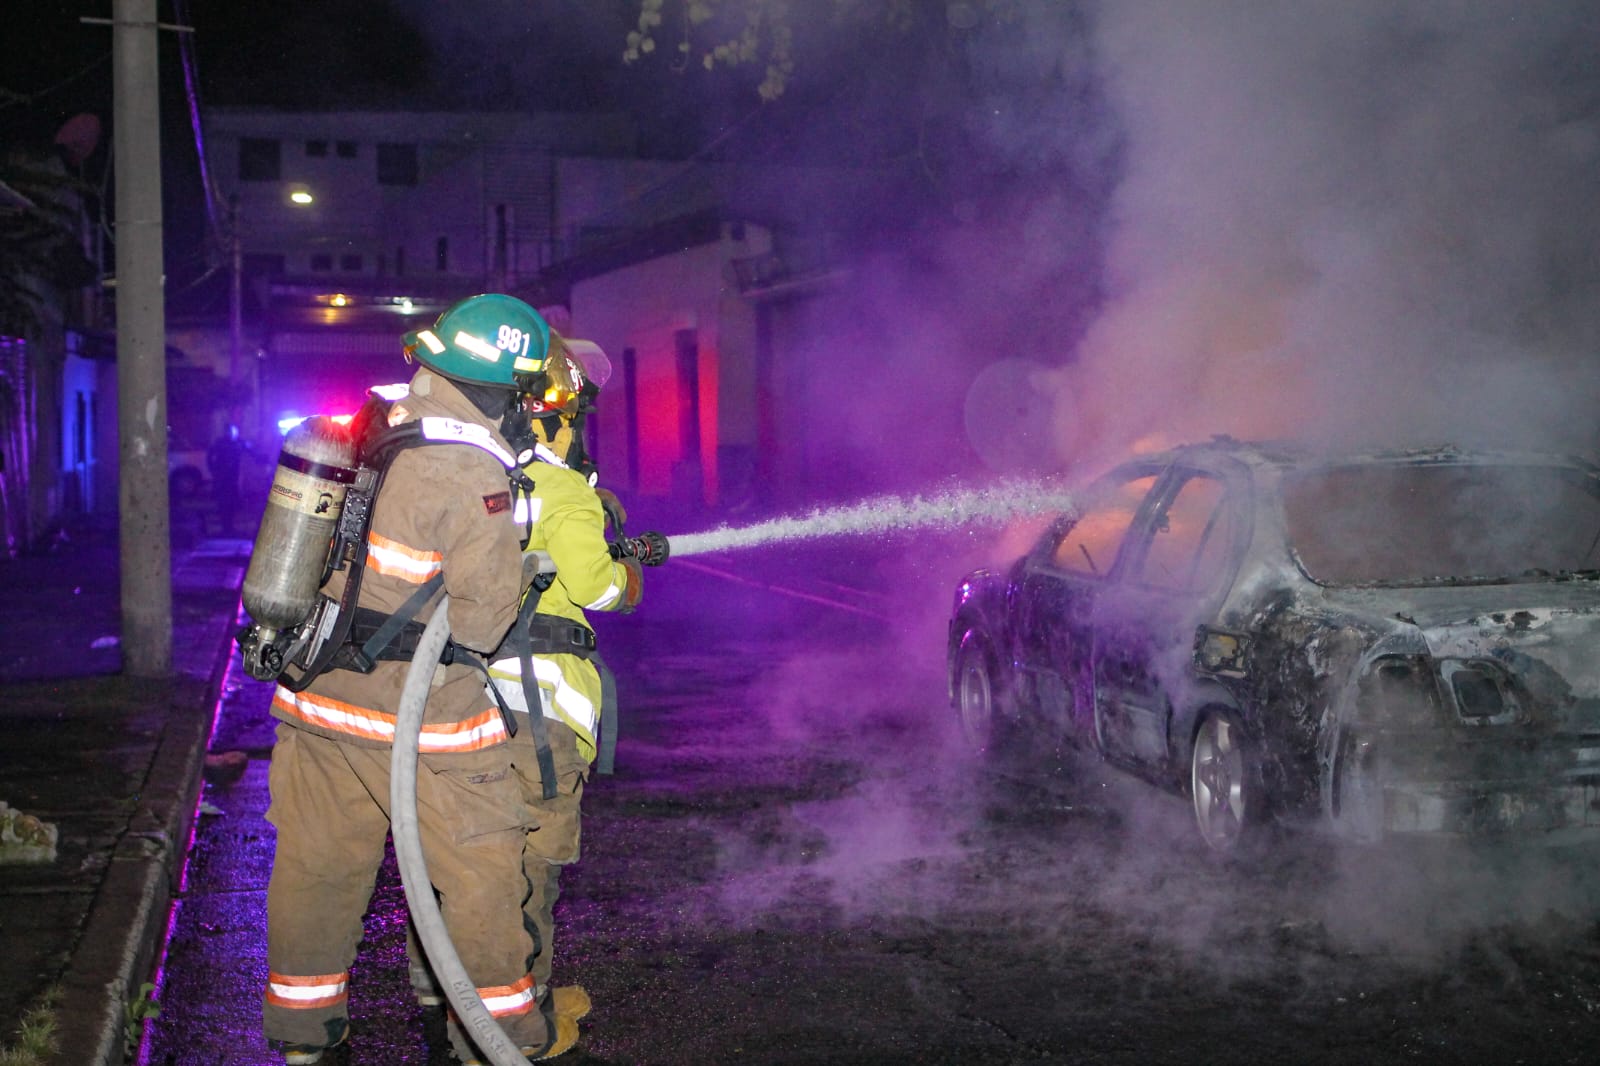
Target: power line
[
  {"x": 12, "y": 98},
  {"x": 191, "y": 91}
]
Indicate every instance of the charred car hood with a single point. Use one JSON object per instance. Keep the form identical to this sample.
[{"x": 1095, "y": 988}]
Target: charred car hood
[
  {"x": 1554, "y": 624},
  {"x": 1448, "y": 605}
]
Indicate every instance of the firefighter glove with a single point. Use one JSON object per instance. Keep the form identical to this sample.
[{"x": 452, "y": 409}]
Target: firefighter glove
[
  {"x": 615, "y": 513},
  {"x": 633, "y": 591}
]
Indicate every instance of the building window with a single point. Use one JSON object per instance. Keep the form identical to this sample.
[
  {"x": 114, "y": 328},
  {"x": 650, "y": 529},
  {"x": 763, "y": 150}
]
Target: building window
[
  {"x": 346, "y": 149},
  {"x": 318, "y": 149},
  {"x": 686, "y": 343},
  {"x": 630, "y": 412},
  {"x": 397, "y": 164},
  {"x": 350, "y": 264},
  {"x": 441, "y": 255},
  {"x": 80, "y": 428},
  {"x": 322, "y": 261},
  {"x": 259, "y": 159}
]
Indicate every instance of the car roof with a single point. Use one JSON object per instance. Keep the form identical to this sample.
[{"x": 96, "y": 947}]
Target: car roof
[{"x": 1289, "y": 455}]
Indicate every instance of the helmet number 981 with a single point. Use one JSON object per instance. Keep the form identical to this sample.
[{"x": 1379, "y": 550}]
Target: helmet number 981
[{"x": 514, "y": 340}]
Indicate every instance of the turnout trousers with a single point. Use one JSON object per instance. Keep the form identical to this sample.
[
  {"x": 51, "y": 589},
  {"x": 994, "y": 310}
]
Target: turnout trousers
[
  {"x": 554, "y": 827},
  {"x": 330, "y": 805}
]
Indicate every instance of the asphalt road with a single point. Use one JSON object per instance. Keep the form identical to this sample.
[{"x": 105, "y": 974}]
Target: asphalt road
[{"x": 796, "y": 864}]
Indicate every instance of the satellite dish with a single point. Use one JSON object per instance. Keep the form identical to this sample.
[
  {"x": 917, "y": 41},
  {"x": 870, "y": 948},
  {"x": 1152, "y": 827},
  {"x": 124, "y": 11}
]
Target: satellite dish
[
  {"x": 1010, "y": 416},
  {"x": 78, "y": 137}
]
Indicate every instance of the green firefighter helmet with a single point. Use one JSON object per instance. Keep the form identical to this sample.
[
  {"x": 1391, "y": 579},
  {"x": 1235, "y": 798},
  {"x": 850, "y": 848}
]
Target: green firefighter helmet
[
  {"x": 572, "y": 376},
  {"x": 491, "y": 339}
]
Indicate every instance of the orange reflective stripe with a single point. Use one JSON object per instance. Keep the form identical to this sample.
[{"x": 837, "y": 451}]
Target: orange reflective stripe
[
  {"x": 393, "y": 559},
  {"x": 306, "y": 993},
  {"x": 336, "y": 716},
  {"x": 483, "y": 730},
  {"x": 504, "y": 1000}
]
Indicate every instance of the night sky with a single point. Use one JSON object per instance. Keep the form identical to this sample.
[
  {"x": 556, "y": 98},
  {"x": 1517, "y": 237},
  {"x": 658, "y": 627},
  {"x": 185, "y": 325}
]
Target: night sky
[
  {"x": 311, "y": 54},
  {"x": 1183, "y": 219},
  {"x": 307, "y": 54},
  {"x": 855, "y": 99}
]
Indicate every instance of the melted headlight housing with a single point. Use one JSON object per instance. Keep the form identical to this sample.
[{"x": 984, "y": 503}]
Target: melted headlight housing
[
  {"x": 1480, "y": 691},
  {"x": 1413, "y": 692},
  {"x": 1399, "y": 692}
]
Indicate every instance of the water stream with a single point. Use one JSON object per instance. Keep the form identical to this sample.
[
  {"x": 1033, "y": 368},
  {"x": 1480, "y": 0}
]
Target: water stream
[{"x": 953, "y": 509}]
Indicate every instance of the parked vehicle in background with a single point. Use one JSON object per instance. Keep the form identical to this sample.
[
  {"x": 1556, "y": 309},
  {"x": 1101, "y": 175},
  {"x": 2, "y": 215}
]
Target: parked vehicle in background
[{"x": 1376, "y": 646}]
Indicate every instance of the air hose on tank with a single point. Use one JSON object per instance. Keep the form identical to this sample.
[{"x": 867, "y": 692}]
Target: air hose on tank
[{"x": 471, "y": 1013}]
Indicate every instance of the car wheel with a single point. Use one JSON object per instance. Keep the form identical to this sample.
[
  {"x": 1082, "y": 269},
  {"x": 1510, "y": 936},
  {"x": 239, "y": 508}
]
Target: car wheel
[
  {"x": 976, "y": 696},
  {"x": 1225, "y": 783}
]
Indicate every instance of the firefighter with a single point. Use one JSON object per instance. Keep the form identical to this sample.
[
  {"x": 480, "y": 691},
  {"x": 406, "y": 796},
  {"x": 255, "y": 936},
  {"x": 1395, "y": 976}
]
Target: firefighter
[
  {"x": 565, "y": 687},
  {"x": 444, "y": 515}
]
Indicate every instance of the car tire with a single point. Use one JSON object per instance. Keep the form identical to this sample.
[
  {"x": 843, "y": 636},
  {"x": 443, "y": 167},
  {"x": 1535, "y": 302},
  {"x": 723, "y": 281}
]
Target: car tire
[
  {"x": 977, "y": 697},
  {"x": 1226, "y": 786}
]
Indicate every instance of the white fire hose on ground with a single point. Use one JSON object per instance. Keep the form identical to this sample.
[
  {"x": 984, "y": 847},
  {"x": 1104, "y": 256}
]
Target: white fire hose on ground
[{"x": 471, "y": 1013}]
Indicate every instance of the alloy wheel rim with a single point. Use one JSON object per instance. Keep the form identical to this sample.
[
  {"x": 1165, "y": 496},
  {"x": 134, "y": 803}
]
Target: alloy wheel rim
[
  {"x": 1219, "y": 784},
  {"x": 977, "y": 709}
]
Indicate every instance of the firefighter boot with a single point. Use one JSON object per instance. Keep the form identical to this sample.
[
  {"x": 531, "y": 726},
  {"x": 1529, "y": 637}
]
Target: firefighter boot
[
  {"x": 564, "y": 1034},
  {"x": 308, "y": 1054},
  {"x": 424, "y": 987},
  {"x": 570, "y": 1000}
]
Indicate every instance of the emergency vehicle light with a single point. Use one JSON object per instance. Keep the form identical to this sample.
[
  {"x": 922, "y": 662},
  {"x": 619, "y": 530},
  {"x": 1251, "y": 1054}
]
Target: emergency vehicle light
[{"x": 286, "y": 424}]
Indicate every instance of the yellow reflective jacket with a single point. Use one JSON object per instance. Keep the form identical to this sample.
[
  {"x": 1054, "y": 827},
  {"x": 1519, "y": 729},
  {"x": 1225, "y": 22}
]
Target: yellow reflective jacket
[{"x": 568, "y": 525}]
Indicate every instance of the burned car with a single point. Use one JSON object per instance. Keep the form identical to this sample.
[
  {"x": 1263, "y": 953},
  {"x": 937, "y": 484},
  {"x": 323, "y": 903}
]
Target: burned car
[{"x": 1373, "y": 645}]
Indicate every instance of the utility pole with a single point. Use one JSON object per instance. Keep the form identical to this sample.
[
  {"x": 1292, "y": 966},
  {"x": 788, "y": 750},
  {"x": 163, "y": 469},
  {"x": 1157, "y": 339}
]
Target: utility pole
[{"x": 145, "y": 525}]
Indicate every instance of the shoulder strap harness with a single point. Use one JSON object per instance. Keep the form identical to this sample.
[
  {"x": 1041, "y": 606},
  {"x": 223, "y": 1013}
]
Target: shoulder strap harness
[{"x": 360, "y": 637}]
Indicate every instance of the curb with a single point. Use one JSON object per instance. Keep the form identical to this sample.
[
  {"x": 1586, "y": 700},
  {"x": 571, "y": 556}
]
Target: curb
[{"x": 128, "y": 920}]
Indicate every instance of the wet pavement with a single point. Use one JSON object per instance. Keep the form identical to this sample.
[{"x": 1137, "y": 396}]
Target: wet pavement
[
  {"x": 795, "y": 863},
  {"x": 211, "y": 976}
]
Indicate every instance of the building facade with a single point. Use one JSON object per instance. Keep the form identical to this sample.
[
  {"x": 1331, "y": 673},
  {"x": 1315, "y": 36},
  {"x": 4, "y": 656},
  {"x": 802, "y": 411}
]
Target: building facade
[
  {"x": 348, "y": 228},
  {"x": 353, "y": 227},
  {"x": 54, "y": 380}
]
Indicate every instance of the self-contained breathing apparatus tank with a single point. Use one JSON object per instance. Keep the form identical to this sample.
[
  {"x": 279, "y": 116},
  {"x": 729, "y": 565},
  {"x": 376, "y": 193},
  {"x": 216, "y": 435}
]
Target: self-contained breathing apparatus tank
[{"x": 289, "y": 562}]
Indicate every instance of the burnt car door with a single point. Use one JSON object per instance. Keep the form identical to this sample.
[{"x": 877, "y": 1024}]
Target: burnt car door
[
  {"x": 1178, "y": 563},
  {"x": 1054, "y": 590}
]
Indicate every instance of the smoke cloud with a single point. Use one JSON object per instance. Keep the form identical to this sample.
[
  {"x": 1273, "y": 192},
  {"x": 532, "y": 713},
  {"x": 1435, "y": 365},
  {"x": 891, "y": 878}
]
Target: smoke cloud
[{"x": 1358, "y": 223}]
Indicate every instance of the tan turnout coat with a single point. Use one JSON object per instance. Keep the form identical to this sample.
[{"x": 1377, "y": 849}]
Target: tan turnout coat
[{"x": 442, "y": 507}]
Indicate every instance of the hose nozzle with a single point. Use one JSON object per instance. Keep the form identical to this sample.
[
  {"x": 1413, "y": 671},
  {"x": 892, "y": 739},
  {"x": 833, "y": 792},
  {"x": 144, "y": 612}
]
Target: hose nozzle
[{"x": 651, "y": 549}]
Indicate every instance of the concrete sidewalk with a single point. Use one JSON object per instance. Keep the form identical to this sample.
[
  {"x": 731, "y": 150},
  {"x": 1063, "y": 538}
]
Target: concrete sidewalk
[{"x": 114, "y": 763}]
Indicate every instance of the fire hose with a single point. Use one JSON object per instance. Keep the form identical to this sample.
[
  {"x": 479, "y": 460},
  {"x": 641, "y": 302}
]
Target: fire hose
[
  {"x": 307, "y": 519},
  {"x": 473, "y": 1016}
]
